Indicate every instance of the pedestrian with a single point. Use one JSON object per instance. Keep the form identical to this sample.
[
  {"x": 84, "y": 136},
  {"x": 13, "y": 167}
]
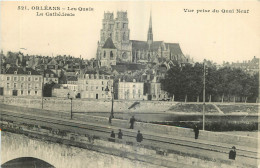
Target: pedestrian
[
  {"x": 112, "y": 135},
  {"x": 110, "y": 120},
  {"x": 120, "y": 134},
  {"x": 232, "y": 153},
  {"x": 132, "y": 121},
  {"x": 196, "y": 131},
  {"x": 139, "y": 137}
]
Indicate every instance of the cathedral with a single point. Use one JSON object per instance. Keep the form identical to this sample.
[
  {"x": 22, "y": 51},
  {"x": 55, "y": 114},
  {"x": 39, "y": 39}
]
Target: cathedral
[{"x": 116, "y": 47}]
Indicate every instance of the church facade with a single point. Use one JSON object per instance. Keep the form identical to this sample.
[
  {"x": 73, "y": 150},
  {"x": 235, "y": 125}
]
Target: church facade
[{"x": 116, "y": 47}]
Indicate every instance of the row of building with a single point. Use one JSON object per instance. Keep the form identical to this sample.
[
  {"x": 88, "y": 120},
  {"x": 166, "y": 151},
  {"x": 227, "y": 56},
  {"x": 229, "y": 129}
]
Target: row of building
[{"x": 27, "y": 82}]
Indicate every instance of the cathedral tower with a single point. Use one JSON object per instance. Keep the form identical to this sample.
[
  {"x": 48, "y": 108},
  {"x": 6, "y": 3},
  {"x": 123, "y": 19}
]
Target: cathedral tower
[
  {"x": 107, "y": 27},
  {"x": 150, "y": 32}
]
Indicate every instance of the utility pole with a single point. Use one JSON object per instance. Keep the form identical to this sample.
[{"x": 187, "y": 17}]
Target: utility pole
[
  {"x": 112, "y": 107},
  {"x": 204, "y": 83}
]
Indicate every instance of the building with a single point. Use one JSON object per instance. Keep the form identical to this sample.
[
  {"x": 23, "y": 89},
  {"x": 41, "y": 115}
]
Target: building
[
  {"x": 21, "y": 82},
  {"x": 250, "y": 66},
  {"x": 152, "y": 86},
  {"x": 61, "y": 91},
  {"x": 50, "y": 76},
  {"x": 1, "y": 61},
  {"x": 72, "y": 85},
  {"x": 95, "y": 85},
  {"x": 130, "y": 90},
  {"x": 115, "y": 44}
]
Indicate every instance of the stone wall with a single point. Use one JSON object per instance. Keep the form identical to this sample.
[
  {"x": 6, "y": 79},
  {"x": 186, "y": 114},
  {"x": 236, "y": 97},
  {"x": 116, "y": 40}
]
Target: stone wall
[
  {"x": 60, "y": 155},
  {"x": 88, "y": 105},
  {"x": 16, "y": 146}
]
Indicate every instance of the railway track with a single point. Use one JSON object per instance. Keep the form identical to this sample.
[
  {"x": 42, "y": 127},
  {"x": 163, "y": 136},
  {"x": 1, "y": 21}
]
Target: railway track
[{"x": 153, "y": 140}]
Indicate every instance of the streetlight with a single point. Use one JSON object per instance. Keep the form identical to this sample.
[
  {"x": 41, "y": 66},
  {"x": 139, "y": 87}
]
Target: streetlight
[
  {"x": 112, "y": 107},
  {"x": 70, "y": 105},
  {"x": 42, "y": 87}
]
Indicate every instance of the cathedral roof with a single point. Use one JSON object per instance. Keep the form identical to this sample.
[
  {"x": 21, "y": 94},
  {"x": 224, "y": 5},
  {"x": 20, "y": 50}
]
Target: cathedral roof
[
  {"x": 109, "y": 44},
  {"x": 139, "y": 45},
  {"x": 174, "y": 48}
]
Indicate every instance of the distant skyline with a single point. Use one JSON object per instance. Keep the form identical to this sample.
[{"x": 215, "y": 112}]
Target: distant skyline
[{"x": 229, "y": 37}]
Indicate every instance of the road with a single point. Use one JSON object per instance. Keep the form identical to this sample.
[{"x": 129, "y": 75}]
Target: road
[{"x": 188, "y": 147}]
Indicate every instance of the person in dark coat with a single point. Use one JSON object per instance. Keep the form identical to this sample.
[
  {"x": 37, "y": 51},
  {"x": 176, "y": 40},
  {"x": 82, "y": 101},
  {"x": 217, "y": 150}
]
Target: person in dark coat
[
  {"x": 132, "y": 121},
  {"x": 110, "y": 119},
  {"x": 196, "y": 131},
  {"x": 232, "y": 153},
  {"x": 120, "y": 134},
  {"x": 139, "y": 137},
  {"x": 112, "y": 135}
]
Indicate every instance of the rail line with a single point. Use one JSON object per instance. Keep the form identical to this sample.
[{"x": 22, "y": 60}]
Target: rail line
[{"x": 167, "y": 143}]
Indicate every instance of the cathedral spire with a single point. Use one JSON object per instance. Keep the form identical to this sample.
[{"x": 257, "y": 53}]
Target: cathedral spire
[{"x": 150, "y": 31}]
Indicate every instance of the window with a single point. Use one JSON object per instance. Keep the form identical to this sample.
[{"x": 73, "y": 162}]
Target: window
[
  {"x": 104, "y": 54},
  {"x": 1, "y": 91},
  {"x": 102, "y": 88},
  {"x": 36, "y": 79},
  {"x": 124, "y": 55},
  {"x": 15, "y": 72},
  {"x": 29, "y": 92},
  {"x": 22, "y": 78},
  {"x": 29, "y": 78},
  {"x": 21, "y": 85},
  {"x": 15, "y": 92},
  {"x": 15, "y": 78},
  {"x": 29, "y": 73},
  {"x": 124, "y": 36},
  {"x": 8, "y": 78},
  {"x": 47, "y": 75},
  {"x": 36, "y": 86},
  {"x": 21, "y": 92},
  {"x": 102, "y": 82},
  {"x": 97, "y": 88},
  {"x": 8, "y": 85},
  {"x": 86, "y": 87},
  {"x": 111, "y": 55},
  {"x": 36, "y": 92},
  {"x": 29, "y": 86},
  {"x": 14, "y": 85}
]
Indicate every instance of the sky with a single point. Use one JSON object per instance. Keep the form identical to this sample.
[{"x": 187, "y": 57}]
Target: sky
[{"x": 215, "y": 36}]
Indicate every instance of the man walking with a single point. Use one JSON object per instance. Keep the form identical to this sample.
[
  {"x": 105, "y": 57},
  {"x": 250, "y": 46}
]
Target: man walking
[
  {"x": 139, "y": 137},
  {"x": 110, "y": 120},
  {"x": 232, "y": 153},
  {"x": 132, "y": 121},
  {"x": 112, "y": 135},
  {"x": 120, "y": 134},
  {"x": 196, "y": 131}
]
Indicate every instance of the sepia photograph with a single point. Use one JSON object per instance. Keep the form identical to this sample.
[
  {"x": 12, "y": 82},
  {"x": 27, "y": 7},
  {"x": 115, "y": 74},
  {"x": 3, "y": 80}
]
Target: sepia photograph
[{"x": 129, "y": 84}]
